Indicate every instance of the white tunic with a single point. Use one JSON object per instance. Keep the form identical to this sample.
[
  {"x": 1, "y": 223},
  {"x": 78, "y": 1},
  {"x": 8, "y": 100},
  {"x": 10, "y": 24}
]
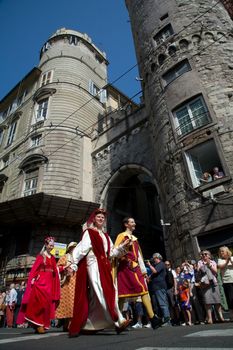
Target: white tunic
[{"x": 98, "y": 316}]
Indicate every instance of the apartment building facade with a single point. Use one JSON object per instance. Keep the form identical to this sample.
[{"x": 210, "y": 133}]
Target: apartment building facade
[{"x": 47, "y": 122}]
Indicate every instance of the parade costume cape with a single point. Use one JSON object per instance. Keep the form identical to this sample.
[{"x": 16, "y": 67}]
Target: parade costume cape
[{"x": 80, "y": 313}]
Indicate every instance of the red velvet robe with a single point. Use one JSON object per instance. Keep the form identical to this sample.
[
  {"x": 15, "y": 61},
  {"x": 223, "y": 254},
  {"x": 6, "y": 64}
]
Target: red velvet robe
[
  {"x": 81, "y": 303},
  {"x": 41, "y": 298}
]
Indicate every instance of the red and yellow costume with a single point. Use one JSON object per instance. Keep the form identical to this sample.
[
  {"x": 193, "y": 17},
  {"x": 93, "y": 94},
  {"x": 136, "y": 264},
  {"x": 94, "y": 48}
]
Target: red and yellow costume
[
  {"x": 42, "y": 293},
  {"x": 130, "y": 269}
]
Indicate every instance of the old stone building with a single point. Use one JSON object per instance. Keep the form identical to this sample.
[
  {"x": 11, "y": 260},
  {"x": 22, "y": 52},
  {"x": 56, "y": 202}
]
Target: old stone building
[
  {"x": 46, "y": 129},
  {"x": 184, "y": 50},
  {"x": 71, "y": 142}
]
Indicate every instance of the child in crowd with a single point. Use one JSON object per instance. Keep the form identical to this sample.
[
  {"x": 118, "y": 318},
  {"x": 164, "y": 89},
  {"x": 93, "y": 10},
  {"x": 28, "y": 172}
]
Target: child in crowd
[{"x": 184, "y": 298}]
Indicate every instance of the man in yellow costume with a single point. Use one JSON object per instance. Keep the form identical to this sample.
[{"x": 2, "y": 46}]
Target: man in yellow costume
[{"x": 130, "y": 271}]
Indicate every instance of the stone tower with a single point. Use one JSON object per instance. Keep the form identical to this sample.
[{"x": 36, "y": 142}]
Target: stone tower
[{"x": 184, "y": 50}]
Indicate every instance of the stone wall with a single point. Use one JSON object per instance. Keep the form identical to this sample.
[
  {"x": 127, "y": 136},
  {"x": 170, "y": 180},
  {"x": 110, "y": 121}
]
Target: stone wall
[{"x": 202, "y": 35}]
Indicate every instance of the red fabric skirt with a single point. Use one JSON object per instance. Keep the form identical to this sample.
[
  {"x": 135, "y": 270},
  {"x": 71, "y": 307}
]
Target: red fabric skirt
[
  {"x": 131, "y": 282},
  {"x": 41, "y": 308}
]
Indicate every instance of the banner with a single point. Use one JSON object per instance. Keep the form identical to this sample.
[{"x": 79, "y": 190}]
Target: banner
[{"x": 59, "y": 249}]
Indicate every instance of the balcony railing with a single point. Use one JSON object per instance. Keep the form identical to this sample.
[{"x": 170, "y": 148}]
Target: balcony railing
[{"x": 187, "y": 126}]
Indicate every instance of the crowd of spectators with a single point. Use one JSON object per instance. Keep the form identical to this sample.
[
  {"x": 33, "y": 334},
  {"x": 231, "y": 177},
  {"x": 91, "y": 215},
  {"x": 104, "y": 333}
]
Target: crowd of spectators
[{"x": 188, "y": 294}]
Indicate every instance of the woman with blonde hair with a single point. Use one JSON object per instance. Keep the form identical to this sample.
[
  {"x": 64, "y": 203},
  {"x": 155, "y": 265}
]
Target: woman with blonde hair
[{"x": 225, "y": 264}]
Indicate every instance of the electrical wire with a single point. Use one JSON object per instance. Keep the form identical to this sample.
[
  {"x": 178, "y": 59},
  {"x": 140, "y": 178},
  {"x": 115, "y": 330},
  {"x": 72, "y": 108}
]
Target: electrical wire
[{"x": 117, "y": 79}]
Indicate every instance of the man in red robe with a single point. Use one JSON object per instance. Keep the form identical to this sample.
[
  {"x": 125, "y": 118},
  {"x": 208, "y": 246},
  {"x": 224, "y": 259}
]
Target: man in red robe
[{"x": 131, "y": 272}]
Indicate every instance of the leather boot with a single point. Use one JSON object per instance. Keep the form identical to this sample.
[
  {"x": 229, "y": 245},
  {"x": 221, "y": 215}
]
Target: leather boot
[{"x": 156, "y": 322}]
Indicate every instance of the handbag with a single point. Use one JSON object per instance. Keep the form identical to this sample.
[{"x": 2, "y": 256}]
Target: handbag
[{"x": 204, "y": 282}]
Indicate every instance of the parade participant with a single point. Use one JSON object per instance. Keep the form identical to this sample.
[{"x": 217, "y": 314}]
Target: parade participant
[
  {"x": 95, "y": 303},
  {"x": 130, "y": 271},
  {"x": 43, "y": 290},
  {"x": 64, "y": 311}
]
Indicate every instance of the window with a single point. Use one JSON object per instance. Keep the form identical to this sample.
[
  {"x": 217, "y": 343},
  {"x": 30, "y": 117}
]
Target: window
[
  {"x": 22, "y": 98},
  {"x": 176, "y": 71},
  {"x": 73, "y": 40},
  {"x": 3, "y": 114},
  {"x": 41, "y": 109},
  {"x": 36, "y": 140},
  {"x": 163, "y": 34},
  {"x": 46, "y": 78},
  {"x": 100, "y": 94},
  {"x": 191, "y": 116},
  {"x": 200, "y": 159},
  {"x": 5, "y": 161},
  {"x": 164, "y": 17},
  {"x": 11, "y": 133},
  {"x": 13, "y": 106},
  {"x": 30, "y": 183}
]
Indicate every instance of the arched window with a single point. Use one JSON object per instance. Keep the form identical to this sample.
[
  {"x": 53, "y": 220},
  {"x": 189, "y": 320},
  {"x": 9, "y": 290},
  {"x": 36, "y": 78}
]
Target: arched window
[{"x": 161, "y": 59}]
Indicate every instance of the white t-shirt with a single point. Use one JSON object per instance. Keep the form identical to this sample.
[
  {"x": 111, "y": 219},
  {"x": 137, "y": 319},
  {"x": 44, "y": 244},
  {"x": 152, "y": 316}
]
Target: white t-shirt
[{"x": 226, "y": 272}]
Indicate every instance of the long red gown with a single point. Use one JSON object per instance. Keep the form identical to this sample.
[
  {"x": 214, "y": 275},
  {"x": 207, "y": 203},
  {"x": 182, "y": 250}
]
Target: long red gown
[{"x": 41, "y": 298}]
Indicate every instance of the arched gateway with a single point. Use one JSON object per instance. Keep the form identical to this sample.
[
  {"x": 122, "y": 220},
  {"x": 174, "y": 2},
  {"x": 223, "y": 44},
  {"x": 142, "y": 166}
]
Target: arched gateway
[{"x": 132, "y": 191}]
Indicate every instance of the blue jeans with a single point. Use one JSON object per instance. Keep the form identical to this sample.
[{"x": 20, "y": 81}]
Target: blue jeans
[{"x": 159, "y": 300}]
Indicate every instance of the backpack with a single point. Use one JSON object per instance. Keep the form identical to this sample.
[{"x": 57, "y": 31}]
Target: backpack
[{"x": 169, "y": 278}]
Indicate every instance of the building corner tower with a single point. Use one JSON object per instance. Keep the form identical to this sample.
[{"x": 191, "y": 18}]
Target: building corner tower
[{"x": 184, "y": 51}]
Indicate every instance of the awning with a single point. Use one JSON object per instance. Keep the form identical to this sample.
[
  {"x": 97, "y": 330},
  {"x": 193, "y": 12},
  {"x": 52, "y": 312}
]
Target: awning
[
  {"x": 20, "y": 262},
  {"x": 42, "y": 207}
]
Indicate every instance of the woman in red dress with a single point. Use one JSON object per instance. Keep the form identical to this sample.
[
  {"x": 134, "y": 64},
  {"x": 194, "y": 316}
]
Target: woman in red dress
[{"x": 43, "y": 291}]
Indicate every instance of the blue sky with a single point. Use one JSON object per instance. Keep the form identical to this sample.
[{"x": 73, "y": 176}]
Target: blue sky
[{"x": 26, "y": 24}]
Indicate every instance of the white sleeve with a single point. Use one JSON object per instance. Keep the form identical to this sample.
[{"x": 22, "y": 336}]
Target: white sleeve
[
  {"x": 116, "y": 252},
  {"x": 174, "y": 273},
  {"x": 83, "y": 248},
  {"x": 141, "y": 263}
]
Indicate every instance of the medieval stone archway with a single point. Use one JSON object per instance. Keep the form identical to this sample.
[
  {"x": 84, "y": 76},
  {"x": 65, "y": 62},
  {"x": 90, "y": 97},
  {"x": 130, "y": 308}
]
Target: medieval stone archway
[{"x": 132, "y": 191}]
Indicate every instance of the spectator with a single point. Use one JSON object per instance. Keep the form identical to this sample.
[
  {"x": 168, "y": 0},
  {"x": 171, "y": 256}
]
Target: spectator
[
  {"x": 20, "y": 289},
  {"x": 184, "y": 297},
  {"x": 158, "y": 287},
  {"x": 10, "y": 306},
  {"x": 195, "y": 299},
  {"x": 139, "y": 313},
  {"x": 209, "y": 285},
  {"x": 206, "y": 177},
  {"x": 2, "y": 307},
  {"x": 171, "y": 292},
  {"x": 225, "y": 264},
  {"x": 217, "y": 174}
]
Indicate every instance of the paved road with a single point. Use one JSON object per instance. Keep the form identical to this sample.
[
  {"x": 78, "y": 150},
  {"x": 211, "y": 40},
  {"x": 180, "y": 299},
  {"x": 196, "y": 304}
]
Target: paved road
[{"x": 204, "y": 337}]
